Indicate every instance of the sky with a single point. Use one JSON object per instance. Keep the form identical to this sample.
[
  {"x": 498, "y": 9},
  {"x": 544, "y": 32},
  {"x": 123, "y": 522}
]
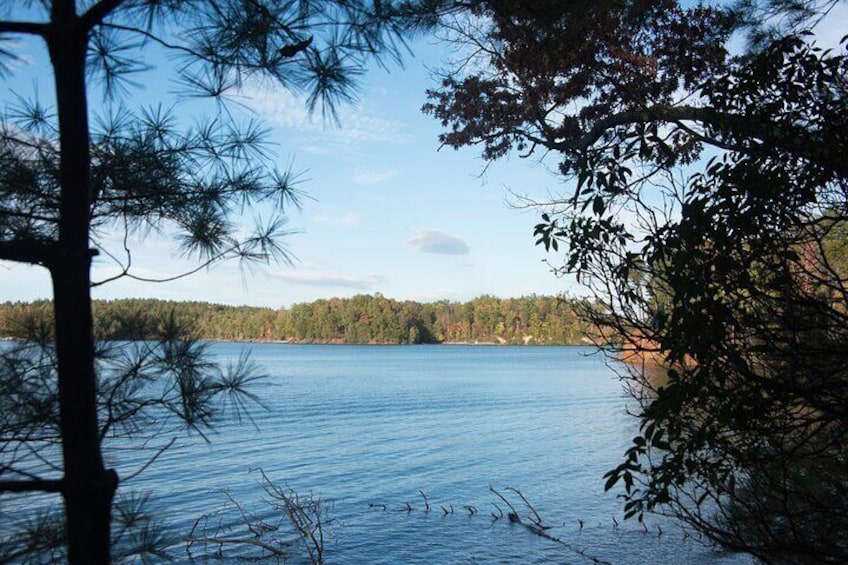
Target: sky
[{"x": 389, "y": 212}]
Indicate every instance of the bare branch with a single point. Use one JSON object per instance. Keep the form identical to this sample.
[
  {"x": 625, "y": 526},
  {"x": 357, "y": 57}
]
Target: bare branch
[
  {"x": 274, "y": 550},
  {"x": 150, "y": 461}
]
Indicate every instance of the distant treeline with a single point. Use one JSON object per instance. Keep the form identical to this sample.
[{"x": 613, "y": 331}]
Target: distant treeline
[{"x": 360, "y": 319}]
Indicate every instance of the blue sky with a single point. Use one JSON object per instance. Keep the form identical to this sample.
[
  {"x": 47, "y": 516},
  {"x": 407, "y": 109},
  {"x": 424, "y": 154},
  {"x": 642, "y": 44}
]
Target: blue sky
[{"x": 391, "y": 212}]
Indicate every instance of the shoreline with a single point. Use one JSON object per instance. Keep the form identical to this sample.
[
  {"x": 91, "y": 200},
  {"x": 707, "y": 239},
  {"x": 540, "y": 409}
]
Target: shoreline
[
  {"x": 440, "y": 343},
  {"x": 475, "y": 343}
]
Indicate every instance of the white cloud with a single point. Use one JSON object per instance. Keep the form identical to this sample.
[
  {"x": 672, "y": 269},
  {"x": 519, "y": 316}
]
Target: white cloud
[
  {"x": 348, "y": 218},
  {"x": 435, "y": 241},
  {"x": 288, "y": 110},
  {"x": 314, "y": 149},
  {"x": 329, "y": 279},
  {"x": 371, "y": 176}
]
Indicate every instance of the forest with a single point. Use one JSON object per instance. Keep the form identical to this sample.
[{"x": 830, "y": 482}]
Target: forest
[{"x": 362, "y": 319}]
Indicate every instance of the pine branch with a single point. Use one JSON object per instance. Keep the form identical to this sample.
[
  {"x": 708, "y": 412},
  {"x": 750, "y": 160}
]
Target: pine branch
[
  {"x": 30, "y": 28},
  {"x": 33, "y": 485},
  {"x": 28, "y": 251},
  {"x": 99, "y": 12}
]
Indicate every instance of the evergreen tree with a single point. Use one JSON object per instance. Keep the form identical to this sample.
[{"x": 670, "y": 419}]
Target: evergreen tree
[{"x": 65, "y": 183}]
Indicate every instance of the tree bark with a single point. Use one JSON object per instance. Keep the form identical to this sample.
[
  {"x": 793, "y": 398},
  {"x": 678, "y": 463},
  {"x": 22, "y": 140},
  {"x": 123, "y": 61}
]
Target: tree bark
[{"x": 88, "y": 488}]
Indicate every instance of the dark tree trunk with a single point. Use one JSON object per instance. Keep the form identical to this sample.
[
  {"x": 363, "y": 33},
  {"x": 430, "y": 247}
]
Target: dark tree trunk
[{"x": 88, "y": 487}]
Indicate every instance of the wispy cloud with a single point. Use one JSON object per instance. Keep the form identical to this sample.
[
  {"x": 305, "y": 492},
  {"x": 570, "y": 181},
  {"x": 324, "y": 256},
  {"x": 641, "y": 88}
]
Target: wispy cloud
[
  {"x": 288, "y": 110},
  {"x": 435, "y": 241},
  {"x": 371, "y": 176},
  {"x": 329, "y": 279},
  {"x": 343, "y": 218}
]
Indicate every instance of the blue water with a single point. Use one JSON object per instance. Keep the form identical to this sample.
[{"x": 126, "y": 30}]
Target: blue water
[{"x": 367, "y": 426}]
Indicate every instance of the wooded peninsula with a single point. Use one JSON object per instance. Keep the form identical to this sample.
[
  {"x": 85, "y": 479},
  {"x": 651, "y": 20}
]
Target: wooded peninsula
[{"x": 362, "y": 319}]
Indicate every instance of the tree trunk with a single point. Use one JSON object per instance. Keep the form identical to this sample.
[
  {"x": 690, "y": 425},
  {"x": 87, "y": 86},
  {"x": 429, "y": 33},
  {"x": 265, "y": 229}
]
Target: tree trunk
[{"x": 88, "y": 487}]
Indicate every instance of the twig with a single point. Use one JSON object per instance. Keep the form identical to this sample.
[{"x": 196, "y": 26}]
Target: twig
[
  {"x": 235, "y": 541},
  {"x": 499, "y": 515},
  {"x": 304, "y": 513},
  {"x": 537, "y": 528},
  {"x": 513, "y": 516},
  {"x": 538, "y": 519}
]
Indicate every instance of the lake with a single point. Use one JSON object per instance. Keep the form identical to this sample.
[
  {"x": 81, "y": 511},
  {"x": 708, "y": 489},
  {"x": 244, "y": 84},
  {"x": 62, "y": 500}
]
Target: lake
[{"x": 368, "y": 427}]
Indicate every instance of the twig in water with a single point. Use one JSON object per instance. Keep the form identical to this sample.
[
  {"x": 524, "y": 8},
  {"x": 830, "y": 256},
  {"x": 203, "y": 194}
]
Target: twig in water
[
  {"x": 513, "y": 516},
  {"x": 220, "y": 541},
  {"x": 537, "y": 519},
  {"x": 537, "y": 528},
  {"x": 535, "y": 524},
  {"x": 499, "y": 515},
  {"x": 305, "y": 513}
]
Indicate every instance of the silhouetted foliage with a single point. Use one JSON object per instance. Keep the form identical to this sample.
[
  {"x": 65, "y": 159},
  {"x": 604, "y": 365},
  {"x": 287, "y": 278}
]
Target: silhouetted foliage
[{"x": 726, "y": 274}]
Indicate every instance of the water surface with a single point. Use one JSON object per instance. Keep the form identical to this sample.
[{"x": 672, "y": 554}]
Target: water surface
[{"x": 367, "y": 426}]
